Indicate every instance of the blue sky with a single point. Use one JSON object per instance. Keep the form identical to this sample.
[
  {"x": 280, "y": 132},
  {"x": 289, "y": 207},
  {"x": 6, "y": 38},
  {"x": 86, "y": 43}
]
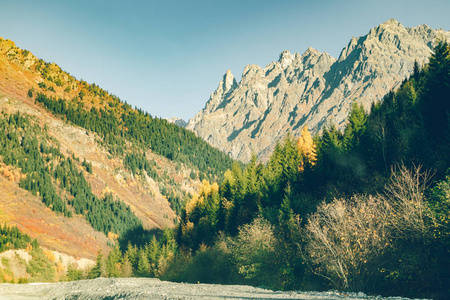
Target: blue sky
[{"x": 167, "y": 56}]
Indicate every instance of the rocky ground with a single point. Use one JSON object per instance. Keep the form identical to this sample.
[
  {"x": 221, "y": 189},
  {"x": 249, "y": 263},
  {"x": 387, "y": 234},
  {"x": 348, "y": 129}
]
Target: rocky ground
[{"x": 149, "y": 288}]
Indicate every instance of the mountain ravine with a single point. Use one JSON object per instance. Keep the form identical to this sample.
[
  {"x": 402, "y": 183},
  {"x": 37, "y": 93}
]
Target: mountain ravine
[{"x": 312, "y": 89}]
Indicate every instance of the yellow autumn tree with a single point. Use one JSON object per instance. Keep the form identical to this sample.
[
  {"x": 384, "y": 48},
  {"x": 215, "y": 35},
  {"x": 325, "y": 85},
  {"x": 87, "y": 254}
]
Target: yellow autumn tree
[
  {"x": 198, "y": 199},
  {"x": 200, "y": 218},
  {"x": 307, "y": 148}
]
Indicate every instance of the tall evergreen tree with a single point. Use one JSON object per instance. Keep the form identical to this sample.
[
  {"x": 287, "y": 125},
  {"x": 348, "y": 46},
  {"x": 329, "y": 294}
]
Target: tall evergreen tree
[
  {"x": 355, "y": 127},
  {"x": 436, "y": 99},
  {"x": 143, "y": 265}
]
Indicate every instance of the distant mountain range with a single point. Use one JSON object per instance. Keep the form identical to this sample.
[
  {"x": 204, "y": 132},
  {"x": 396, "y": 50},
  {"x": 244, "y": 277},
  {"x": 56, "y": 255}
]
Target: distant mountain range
[
  {"x": 177, "y": 121},
  {"x": 312, "y": 89}
]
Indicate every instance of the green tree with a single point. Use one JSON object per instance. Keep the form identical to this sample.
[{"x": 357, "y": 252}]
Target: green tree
[
  {"x": 99, "y": 270},
  {"x": 436, "y": 100},
  {"x": 253, "y": 253},
  {"x": 143, "y": 265},
  {"x": 127, "y": 268},
  {"x": 113, "y": 265},
  {"x": 355, "y": 127},
  {"x": 73, "y": 273}
]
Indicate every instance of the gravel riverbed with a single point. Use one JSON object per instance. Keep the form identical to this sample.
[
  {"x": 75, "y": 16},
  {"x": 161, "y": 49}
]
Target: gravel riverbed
[{"x": 149, "y": 288}]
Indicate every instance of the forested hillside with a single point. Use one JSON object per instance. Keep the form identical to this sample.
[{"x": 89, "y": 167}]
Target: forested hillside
[
  {"x": 80, "y": 168},
  {"x": 122, "y": 130},
  {"x": 366, "y": 208},
  {"x": 363, "y": 209},
  {"x": 34, "y": 265},
  {"x": 121, "y": 124},
  {"x": 131, "y": 133}
]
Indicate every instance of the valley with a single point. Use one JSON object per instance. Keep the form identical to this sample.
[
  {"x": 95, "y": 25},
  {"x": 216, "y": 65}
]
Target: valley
[{"x": 327, "y": 174}]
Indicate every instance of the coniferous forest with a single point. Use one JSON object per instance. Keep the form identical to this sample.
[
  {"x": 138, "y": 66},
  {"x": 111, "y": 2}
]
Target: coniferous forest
[
  {"x": 121, "y": 123},
  {"x": 365, "y": 208}
]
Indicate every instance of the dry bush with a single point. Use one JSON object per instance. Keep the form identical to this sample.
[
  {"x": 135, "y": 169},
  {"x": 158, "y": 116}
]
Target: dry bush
[
  {"x": 346, "y": 240},
  {"x": 409, "y": 212}
]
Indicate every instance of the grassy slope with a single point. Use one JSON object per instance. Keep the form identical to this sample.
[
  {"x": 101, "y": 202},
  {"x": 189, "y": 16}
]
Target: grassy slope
[{"x": 72, "y": 236}]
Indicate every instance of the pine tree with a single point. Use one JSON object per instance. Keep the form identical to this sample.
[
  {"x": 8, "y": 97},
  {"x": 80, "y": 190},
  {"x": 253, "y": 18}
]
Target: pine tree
[
  {"x": 289, "y": 161},
  {"x": 287, "y": 233},
  {"x": 99, "y": 270},
  {"x": 143, "y": 265},
  {"x": 250, "y": 201},
  {"x": 153, "y": 252},
  {"x": 113, "y": 266},
  {"x": 436, "y": 102},
  {"x": 329, "y": 153},
  {"x": 127, "y": 268},
  {"x": 169, "y": 240},
  {"x": 355, "y": 127},
  {"x": 132, "y": 254}
]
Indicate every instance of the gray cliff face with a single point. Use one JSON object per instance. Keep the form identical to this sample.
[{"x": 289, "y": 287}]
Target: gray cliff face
[{"x": 312, "y": 89}]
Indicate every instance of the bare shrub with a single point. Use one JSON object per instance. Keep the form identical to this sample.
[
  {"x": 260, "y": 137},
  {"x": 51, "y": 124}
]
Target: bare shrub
[
  {"x": 346, "y": 239},
  {"x": 408, "y": 209}
]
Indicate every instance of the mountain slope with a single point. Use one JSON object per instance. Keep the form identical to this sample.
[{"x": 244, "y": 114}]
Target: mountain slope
[
  {"x": 312, "y": 89},
  {"x": 103, "y": 150}
]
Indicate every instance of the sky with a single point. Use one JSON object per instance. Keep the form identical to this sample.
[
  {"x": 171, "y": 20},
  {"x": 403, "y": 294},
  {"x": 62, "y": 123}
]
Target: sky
[{"x": 167, "y": 56}]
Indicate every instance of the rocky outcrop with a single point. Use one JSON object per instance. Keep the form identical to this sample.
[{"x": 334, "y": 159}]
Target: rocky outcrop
[{"x": 311, "y": 89}]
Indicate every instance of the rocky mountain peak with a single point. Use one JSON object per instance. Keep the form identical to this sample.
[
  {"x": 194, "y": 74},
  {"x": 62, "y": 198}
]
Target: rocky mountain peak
[
  {"x": 6, "y": 45},
  {"x": 312, "y": 56},
  {"x": 388, "y": 32},
  {"x": 228, "y": 81},
  {"x": 348, "y": 49},
  {"x": 311, "y": 51},
  {"x": 285, "y": 59},
  {"x": 391, "y": 23},
  {"x": 251, "y": 72},
  {"x": 310, "y": 89}
]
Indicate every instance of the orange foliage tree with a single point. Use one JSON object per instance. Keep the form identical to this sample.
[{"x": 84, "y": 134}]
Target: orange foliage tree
[{"x": 307, "y": 149}]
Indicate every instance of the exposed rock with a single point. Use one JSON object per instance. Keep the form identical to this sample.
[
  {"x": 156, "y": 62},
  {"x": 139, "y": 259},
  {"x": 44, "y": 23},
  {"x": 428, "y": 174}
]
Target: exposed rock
[{"x": 311, "y": 89}]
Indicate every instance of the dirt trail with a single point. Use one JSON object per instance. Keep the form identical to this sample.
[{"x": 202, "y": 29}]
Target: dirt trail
[{"x": 148, "y": 288}]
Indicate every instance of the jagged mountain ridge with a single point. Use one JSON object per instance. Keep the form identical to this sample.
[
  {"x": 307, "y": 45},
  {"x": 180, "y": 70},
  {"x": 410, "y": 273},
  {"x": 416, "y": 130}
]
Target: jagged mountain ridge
[{"x": 312, "y": 89}]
